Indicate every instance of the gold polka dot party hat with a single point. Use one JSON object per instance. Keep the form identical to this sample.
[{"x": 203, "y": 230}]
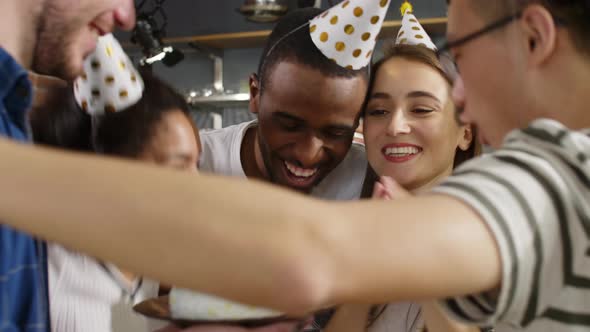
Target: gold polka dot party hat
[
  {"x": 411, "y": 31},
  {"x": 109, "y": 82},
  {"x": 347, "y": 32}
]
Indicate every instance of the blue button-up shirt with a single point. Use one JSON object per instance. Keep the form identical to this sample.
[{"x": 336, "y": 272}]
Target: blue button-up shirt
[{"x": 23, "y": 261}]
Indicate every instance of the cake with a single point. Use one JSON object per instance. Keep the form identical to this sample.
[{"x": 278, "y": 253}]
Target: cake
[{"x": 189, "y": 305}]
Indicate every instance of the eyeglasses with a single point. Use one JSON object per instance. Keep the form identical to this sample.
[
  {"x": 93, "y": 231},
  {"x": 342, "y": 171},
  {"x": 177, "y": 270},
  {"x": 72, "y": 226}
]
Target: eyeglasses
[
  {"x": 444, "y": 51},
  {"x": 447, "y": 60},
  {"x": 447, "y": 46}
]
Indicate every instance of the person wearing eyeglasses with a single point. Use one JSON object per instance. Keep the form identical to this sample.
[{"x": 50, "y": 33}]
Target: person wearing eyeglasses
[
  {"x": 505, "y": 240},
  {"x": 524, "y": 68}
]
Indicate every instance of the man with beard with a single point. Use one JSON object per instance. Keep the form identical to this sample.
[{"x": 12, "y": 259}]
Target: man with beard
[{"x": 51, "y": 37}]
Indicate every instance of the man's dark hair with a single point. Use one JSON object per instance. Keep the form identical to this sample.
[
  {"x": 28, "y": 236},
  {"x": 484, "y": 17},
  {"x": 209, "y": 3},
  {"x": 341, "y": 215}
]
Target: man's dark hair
[
  {"x": 290, "y": 40},
  {"x": 574, "y": 13},
  {"x": 126, "y": 133}
]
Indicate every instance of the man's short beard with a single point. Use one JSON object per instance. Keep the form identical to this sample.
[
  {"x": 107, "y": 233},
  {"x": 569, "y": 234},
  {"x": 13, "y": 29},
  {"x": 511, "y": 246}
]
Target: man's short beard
[
  {"x": 53, "y": 66},
  {"x": 49, "y": 55}
]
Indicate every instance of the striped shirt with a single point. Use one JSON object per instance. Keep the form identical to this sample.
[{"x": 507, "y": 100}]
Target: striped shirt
[
  {"x": 534, "y": 195},
  {"x": 87, "y": 296}
]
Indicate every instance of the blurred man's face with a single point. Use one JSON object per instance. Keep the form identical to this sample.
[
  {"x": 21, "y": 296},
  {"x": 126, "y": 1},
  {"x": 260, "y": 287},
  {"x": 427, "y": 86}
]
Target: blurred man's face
[
  {"x": 494, "y": 74},
  {"x": 68, "y": 30}
]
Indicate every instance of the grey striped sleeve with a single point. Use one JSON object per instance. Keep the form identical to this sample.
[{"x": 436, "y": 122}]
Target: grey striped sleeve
[{"x": 531, "y": 197}]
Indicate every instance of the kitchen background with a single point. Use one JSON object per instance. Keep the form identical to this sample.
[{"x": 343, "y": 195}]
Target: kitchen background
[{"x": 215, "y": 33}]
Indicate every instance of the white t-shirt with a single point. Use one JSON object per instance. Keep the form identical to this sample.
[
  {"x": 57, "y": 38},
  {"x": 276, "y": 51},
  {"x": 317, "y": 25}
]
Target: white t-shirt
[
  {"x": 221, "y": 155},
  {"x": 85, "y": 296},
  {"x": 534, "y": 195}
]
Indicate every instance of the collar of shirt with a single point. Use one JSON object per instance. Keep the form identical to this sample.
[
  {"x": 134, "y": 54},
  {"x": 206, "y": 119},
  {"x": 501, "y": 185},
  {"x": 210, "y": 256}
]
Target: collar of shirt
[{"x": 16, "y": 91}]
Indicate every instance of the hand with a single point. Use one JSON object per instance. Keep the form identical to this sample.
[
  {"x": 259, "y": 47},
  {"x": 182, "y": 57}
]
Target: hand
[
  {"x": 386, "y": 188},
  {"x": 279, "y": 327}
]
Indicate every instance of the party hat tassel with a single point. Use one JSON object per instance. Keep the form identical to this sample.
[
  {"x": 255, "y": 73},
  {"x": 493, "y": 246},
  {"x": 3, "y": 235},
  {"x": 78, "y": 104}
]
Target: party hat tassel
[{"x": 406, "y": 6}]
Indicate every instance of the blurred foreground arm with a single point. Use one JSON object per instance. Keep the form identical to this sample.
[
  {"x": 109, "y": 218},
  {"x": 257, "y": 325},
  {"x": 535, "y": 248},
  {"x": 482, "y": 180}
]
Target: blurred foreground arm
[{"x": 246, "y": 240}]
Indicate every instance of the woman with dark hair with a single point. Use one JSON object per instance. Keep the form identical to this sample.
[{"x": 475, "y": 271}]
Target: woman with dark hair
[
  {"x": 86, "y": 294},
  {"x": 413, "y": 141},
  {"x": 159, "y": 121}
]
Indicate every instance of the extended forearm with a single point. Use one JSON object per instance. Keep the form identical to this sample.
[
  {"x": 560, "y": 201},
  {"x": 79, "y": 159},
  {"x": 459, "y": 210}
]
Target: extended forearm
[
  {"x": 212, "y": 234},
  {"x": 208, "y": 233},
  {"x": 415, "y": 248}
]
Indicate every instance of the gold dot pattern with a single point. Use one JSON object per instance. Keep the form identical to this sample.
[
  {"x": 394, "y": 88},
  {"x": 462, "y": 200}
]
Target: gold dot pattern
[
  {"x": 95, "y": 64},
  {"x": 412, "y": 33},
  {"x": 349, "y": 29},
  {"x": 109, "y": 82},
  {"x": 349, "y": 67},
  {"x": 110, "y": 108},
  {"x": 358, "y": 12}
]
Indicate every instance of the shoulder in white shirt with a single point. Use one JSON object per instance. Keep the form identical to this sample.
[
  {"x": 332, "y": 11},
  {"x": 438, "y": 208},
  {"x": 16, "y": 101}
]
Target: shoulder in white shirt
[{"x": 221, "y": 155}]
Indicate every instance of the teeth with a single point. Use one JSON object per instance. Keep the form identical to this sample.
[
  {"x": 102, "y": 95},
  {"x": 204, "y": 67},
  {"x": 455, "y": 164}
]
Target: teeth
[
  {"x": 401, "y": 151},
  {"x": 300, "y": 172}
]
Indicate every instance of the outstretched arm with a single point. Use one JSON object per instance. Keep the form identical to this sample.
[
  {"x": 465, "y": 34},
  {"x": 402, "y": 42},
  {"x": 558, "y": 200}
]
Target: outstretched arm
[{"x": 246, "y": 240}]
